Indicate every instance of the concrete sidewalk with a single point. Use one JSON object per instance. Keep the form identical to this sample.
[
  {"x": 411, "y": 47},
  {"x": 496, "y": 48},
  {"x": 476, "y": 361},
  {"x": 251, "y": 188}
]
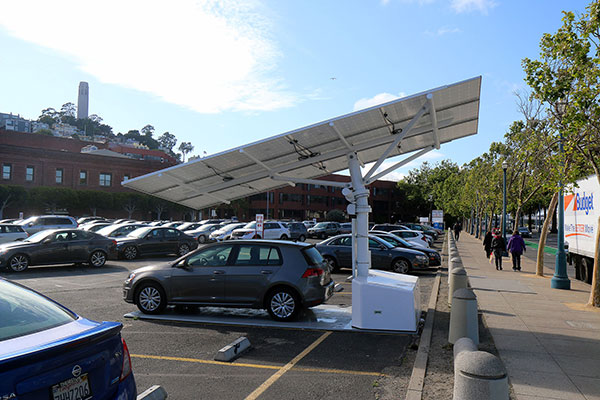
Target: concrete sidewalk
[{"x": 548, "y": 341}]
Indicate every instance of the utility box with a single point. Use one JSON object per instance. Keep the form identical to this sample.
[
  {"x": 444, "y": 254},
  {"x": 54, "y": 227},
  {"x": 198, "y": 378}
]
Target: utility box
[{"x": 386, "y": 301}]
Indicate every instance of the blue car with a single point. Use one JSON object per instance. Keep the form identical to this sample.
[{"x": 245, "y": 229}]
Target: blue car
[{"x": 49, "y": 352}]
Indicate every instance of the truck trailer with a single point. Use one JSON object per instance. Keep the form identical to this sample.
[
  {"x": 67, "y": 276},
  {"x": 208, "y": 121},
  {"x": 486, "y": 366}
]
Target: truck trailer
[{"x": 581, "y": 224}]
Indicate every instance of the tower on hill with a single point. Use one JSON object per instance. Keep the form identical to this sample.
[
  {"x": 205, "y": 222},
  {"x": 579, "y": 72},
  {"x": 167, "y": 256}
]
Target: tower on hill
[{"x": 83, "y": 100}]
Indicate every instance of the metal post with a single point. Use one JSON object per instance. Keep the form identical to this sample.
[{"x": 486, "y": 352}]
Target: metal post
[
  {"x": 361, "y": 194},
  {"x": 504, "y": 167},
  {"x": 560, "y": 280}
]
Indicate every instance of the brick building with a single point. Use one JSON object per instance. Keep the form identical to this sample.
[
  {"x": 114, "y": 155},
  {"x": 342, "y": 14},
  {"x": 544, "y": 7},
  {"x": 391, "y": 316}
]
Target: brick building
[
  {"x": 313, "y": 201},
  {"x": 31, "y": 160}
]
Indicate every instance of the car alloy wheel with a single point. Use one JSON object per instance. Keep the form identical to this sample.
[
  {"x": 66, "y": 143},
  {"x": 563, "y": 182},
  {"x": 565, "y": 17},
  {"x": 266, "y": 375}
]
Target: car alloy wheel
[
  {"x": 130, "y": 252},
  {"x": 150, "y": 299},
  {"x": 183, "y": 249},
  {"x": 401, "y": 266},
  {"x": 18, "y": 263},
  {"x": 97, "y": 259},
  {"x": 302, "y": 238},
  {"x": 201, "y": 239},
  {"x": 283, "y": 237},
  {"x": 282, "y": 305}
]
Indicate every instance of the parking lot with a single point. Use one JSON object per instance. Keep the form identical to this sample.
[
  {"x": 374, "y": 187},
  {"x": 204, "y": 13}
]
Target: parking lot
[{"x": 282, "y": 363}]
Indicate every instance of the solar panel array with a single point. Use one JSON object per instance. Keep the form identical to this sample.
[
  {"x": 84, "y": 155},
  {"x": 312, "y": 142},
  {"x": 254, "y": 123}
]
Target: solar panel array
[{"x": 317, "y": 150}]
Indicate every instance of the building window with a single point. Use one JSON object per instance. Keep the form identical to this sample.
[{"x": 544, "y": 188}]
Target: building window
[
  {"x": 6, "y": 171},
  {"x": 105, "y": 179},
  {"x": 83, "y": 177},
  {"x": 29, "y": 173},
  {"x": 59, "y": 175}
]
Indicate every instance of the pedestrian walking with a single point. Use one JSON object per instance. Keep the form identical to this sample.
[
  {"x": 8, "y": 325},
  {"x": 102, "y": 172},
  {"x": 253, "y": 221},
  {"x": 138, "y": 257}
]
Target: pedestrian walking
[
  {"x": 498, "y": 247},
  {"x": 457, "y": 228},
  {"x": 487, "y": 243},
  {"x": 516, "y": 247}
]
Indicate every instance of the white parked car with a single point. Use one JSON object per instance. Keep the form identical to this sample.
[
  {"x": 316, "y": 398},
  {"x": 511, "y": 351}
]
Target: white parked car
[
  {"x": 309, "y": 224},
  {"x": 272, "y": 230},
  {"x": 224, "y": 233},
  {"x": 416, "y": 237},
  {"x": 10, "y": 233},
  {"x": 40, "y": 223}
]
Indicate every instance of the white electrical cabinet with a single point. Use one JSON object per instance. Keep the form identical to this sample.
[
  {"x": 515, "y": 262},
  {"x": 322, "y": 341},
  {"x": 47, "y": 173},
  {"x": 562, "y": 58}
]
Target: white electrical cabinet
[{"x": 386, "y": 301}]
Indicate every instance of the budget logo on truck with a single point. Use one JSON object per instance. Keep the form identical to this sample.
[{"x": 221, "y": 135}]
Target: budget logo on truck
[
  {"x": 583, "y": 202},
  {"x": 579, "y": 206}
]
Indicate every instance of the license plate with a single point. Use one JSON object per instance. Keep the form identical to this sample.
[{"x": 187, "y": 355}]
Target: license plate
[{"x": 72, "y": 389}]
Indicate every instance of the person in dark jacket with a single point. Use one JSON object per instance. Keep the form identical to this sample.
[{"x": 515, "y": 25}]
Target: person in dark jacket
[
  {"x": 498, "y": 247},
  {"x": 457, "y": 228},
  {"x": 487, "y": 243},
  {"x": 516, "y": 246}
]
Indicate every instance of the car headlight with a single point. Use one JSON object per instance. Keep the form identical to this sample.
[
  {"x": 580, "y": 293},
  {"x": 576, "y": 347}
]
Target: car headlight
[
  {"x": 421, "y": 258},
  {"x": 130, "y": 278}
]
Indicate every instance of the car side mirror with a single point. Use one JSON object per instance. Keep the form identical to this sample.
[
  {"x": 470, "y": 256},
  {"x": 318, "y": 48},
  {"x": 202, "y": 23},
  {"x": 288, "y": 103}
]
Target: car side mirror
[
  {"x": 183, "y": 264},
  {"x": 382, "y": 247},
  {"x": 30, "y": 224},
  {"x": 46, "y": 241}
]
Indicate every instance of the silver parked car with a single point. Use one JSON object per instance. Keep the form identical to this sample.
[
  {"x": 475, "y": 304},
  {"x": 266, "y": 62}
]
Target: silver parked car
[{"x": 282, "y": 277}]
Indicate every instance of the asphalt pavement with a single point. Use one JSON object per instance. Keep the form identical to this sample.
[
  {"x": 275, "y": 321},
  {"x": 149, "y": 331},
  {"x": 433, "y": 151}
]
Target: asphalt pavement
[{"x": 180, "y": 356}]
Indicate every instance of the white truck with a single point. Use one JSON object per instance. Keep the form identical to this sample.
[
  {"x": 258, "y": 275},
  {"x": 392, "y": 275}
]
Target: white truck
[{"x": 581, "y": 224}]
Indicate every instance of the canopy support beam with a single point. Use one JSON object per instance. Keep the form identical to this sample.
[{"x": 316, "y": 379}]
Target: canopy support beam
[
  {"x": 399, "y": 137},
  {"x": 398, "y": 165},
  {"x": 277, "y": 177}
]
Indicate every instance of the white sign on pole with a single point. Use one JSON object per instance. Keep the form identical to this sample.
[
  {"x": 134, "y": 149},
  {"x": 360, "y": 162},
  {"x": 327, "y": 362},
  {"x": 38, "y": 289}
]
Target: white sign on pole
[
  {"x": 423, "y": 220},
  {"x": 260, "y": 226}
]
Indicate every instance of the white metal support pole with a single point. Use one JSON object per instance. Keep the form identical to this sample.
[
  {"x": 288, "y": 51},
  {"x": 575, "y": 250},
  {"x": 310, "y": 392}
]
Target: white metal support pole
[{"x": 361, "y": 194}]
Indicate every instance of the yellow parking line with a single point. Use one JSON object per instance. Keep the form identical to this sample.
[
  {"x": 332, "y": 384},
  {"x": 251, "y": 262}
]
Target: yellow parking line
[
  {"x": 260, "y": 390},
  {"x": 259, "y": 366},
  {"x": 195, "y": 360}
]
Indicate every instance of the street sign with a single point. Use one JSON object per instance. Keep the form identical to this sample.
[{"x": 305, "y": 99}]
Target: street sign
[
  {"x": 437, "y": 218},
  {"x": 260, "y": 226}
]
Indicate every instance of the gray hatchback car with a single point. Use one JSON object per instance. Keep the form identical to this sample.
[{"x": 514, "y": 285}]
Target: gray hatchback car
[{"x": 279, "y": 276}]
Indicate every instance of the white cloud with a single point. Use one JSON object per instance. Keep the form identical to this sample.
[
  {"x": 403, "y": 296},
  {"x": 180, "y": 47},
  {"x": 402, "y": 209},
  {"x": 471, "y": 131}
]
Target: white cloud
[
  {"x": 375, "y": 100},
  {"x": 203, "y": 55},
  {"x": 483, "y": 6}
]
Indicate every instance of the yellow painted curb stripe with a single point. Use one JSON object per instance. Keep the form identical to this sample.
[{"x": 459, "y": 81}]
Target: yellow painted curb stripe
[
  {"x": 259, "y": 366},
  {"x": 261, "y": 389}
]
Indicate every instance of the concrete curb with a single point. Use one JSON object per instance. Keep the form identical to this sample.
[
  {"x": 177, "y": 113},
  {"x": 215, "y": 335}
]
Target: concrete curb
[{"x": 417, "y": 378}]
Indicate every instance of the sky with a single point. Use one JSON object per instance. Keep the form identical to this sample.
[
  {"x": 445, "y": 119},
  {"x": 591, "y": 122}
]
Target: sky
[{"x": 220, "y": 74}]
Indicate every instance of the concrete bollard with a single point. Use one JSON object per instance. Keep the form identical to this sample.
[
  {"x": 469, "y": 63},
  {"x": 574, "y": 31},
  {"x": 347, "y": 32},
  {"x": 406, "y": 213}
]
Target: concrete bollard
[
  {"x": 458, "y": 280},
  {"x": 455, "y": 262},
  {"x": 479, "y": 375},
  {"x": 463, "y": 344},
  {"x": 463, "y": 317}
]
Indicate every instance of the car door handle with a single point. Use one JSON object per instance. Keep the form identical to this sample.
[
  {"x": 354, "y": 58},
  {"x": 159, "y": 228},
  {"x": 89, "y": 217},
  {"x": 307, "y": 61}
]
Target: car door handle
[
  {"x": 218, "y": 272},
  {"x": 266, "y": 272}
]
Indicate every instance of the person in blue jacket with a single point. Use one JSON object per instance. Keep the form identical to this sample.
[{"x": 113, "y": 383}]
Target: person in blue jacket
[{"x": 516, "y": 246}]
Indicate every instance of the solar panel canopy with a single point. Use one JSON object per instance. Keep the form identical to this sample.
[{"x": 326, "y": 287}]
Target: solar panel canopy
[{"x": 318, "y": 149}]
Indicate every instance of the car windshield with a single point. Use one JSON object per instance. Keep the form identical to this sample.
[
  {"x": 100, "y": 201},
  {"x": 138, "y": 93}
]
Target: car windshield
[
  {"x": 250, "y": 225},
  {"x": 321, "y": 225},
  {"x": 140, "y": 232},
  {"x": 37, "y": 237},
  {"x": 383, "y": 242},
  {"x": 312, "y": 256},
  {"x": 230, "y": 227},
  {"x": 28, "y": 220},
  {"x": 23, "y": 312}
]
